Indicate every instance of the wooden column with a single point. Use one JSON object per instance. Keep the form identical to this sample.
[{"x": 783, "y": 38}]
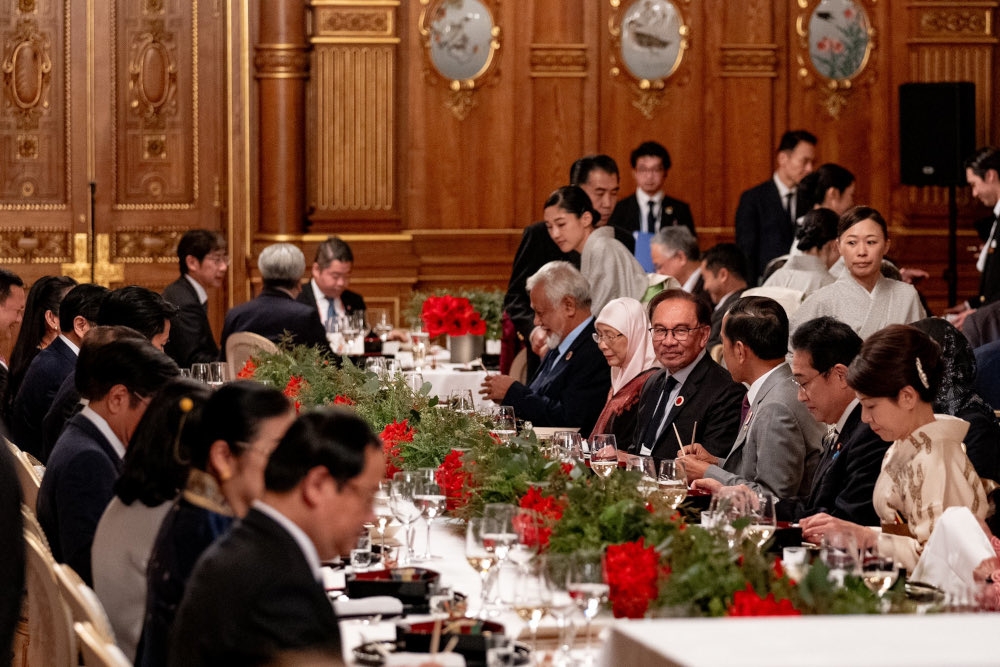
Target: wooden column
[{"x": 282, "y": 63}]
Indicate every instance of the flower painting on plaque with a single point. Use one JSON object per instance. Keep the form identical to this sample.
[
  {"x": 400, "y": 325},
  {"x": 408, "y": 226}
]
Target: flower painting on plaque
[
  {"x": 460, "y": 35},
  {"x": 839, "y": 38}
]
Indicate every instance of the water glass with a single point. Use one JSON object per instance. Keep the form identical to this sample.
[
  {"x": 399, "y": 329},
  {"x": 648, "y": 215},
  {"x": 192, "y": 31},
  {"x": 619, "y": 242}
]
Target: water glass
[
  {"x": 200, "y": 373},
  {"x": 431, "y": 502},
  {"x": 404, "y": 508},
  {"x": 218, "y": 373},
  {"x": 415, "y": 381},
  {"x": 795, "y": 561},
  {"x": 420, "y": 341},
  {"x": 380, "y": 322},
  {"x": 763, "y": 521},
  {"x": 361, "y": 554},
  {"x": 376, "y": 365},
  {"x": 504, "y": 423},
  {"x": 587, "y": 587},
  {"x": 839, "y": 552}
]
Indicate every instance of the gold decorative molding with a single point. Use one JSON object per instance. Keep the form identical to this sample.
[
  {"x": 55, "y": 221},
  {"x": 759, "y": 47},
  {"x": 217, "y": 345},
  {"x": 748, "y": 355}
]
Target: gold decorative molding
[
  {"x": 749, "y": 60},
  {"x": 34, "y": 245},
  {"x": 834, "y": 85},
  {"x": 103, "y": 271},
  {"x": 936, "y": 23},
  {"x": 354, "y": 22},
  {"x": 27, "y": 72},
  {"x": 559, "y": 60},
  {"x": 633, "y": 39},
  {"x": 153, "y": 75},
  {"x": 145, "y": 245},
  {"x": 281, "y": 61},
  {"x": 461, "y": 51}
]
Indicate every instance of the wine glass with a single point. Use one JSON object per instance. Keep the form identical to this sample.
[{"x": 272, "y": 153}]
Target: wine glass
[
  {"x": 587, "y": 587},
  {"x": 649, "y": 468},
  {"x": 839, "y": 552},
  {"x": 671, "y": 482},
  {"x": 480, "y": 558},
  {"x": 431, "y": 501},
  {"x": 531, "y": 528},
  {"x": 504, "y": 423},
  {"x": 500, "y": 535},
  {"x": 763, "y": 522},
  {"x": 461, "y": 401},
  {"x": 603, "y": 454},
  {"x": 569, "y": 445},
  {"x": 376, "y": 365},
  {"x": 532, "y": 598},
  {"x": 404, "y": 508},
  {"x": 419, "y": 339},
  {"x": 381, "y": 323},
  {"x": 415, "y": 381},
  {"x": 383, "y": 513},
  {"x": 562, "y": 606},
  {"x": 878, "y": 572}
]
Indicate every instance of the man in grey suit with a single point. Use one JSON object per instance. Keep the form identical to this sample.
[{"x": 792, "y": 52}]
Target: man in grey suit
[{"x": 779, "y": 443}]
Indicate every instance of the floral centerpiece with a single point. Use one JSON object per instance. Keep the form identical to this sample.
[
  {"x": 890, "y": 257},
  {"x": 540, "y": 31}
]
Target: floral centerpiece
[{"x": 457, "y": 313}]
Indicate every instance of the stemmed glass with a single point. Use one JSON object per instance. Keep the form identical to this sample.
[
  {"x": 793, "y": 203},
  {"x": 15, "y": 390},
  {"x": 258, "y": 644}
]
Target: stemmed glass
[
  {"x": 839, "y": 552},
  {"x": 671, "y": 482},
  {"x": 532, "y": 599},
  {"x": 649, "y": 482},
  {"x": 603, "y": 454},
  {"x": 879, "y": 572},
  {"x": 480, "y": 558},
  {"x": 431, "y": 501},
  {"x": 529, "y": 526},
  {"x": 569, "y": 445},
  {"x": 586, "y": 585},
  {"x": 383, "y": 513},
  {"x": 404, "y": 507},
  {"x": 504, "y": 423},
  {"x": 380, "y": 322},
  {"x": 763, "y": 522},
  {"x": 562, "y": 606},
  {"x": 461, "y": 401}
]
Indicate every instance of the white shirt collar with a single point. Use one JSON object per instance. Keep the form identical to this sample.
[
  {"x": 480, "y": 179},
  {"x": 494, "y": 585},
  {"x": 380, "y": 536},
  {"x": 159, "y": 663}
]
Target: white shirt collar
[
  {"x": 305, "y": 544},
  {"x": 644, "y": 199},
  {"x": 70, "y": 344},
  {"x": 568, "y": 340},
  {"x": 759, "y": 382},
  {"x": 682, "y": 375},
  {"x": 323, "y": 303},
  {"x": 723, "y": 299},
  {"x": 198, "y": 289},
  {"x": 105, "y": 429},
  {"x": 847, "y": 413},
  {"x": 692, "y": 280},
  {"x": 783, "y": 189}
]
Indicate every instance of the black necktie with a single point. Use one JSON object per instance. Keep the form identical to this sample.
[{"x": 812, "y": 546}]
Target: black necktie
[
  {"x": 790, "y": 208},
  {"x": 651, "y": 217},
  {"x": 662, "y": 403}
]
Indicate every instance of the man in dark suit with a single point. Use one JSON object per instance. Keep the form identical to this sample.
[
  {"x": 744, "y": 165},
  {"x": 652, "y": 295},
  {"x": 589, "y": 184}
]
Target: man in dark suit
[
  {"x": 692, "y": 392},
  {"x": 851, "y": 461},
  {"x": 119, "y": 379},
  {"x": 766, "y": 215},
  {"x": 275, "y": 311},
  {"x": 263, "y": 578},
  {"x": 724, "y": 272},
  {"x": 778, "y": 445},
  {"x": 598, "y": 176},
  {"x": 649, "y": 209},
  {"x": 331, "y": 275},
  {"x": 572, "y": 383},
  {"x": 12, "y": 300},
  {"x": 145, "y": 313},
  {"x": 77, "y": 313},
  {"x": 982, "y": 172},
  {"x": 201, "y": 255}
]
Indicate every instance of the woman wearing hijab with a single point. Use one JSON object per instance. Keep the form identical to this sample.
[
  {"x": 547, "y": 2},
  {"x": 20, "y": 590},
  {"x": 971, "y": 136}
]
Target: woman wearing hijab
[{"x": 623, "y": 337}]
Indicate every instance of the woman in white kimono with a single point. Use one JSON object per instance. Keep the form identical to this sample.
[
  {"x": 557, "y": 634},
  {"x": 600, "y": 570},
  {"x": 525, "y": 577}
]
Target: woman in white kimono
[
  {"x": 607, "y": 265},
  {"x": 818, "y": 248},
  {"x": 862, "y": 297},
  {"x": 925, "y": 470}
]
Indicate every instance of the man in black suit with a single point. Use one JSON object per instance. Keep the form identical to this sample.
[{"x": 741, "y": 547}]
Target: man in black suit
[
  {"x": 598, "y": 176},
  {"x": 572, "y": 383},
  {"x": 12, "y": 300},
  {"x": 331, "y": 275},
  {"x": 766, "y": 215},
  {"x": 140, "y": 309},
  {"x": 649, "y": 209},
  {"x": 851, "y": 460},
  {"x": 77, "y": 313},
  {"x": 275, "y": 312},
  {"x": 724, "y": 271},
  {"x": 982, "y": 172},
  {"x": 258, "y": 591},
  {"x": 201, "y": 255},
  {"x": 119, "y": 379},
  {"x": 692, "y": 392}
]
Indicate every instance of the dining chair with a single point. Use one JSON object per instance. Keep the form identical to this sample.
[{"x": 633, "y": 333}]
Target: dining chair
[
  {"x": 97, "y": 651},
  {"x": 51, "y": 639},
  {"x": 242, "y": 345},
  {"x": 83, "y": 603}
]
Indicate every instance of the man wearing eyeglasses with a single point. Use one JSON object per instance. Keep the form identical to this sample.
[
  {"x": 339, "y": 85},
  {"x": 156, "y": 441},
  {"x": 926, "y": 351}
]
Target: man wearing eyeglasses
[
  {"x": 693, "y": 399},
  {"x": 203, "y": 261}
]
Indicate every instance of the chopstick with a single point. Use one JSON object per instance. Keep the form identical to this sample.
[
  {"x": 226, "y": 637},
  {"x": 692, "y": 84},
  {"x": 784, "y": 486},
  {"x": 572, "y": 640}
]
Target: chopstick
[
  {"x": 452, "y": 643},
  {"x": 680, "y": 443},
  {"x": 436, "y": 636}
]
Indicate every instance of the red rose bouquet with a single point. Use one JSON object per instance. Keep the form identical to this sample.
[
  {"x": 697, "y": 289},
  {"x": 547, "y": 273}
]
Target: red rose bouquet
[
  {"x": 536, "y": 529},
  {"x": 451, "y": 315},
  {"x": 632, "y": 571},
  {"x": 748, "y": 603},
  {"x": 454, "y": 480},
  {"x": 392, "y": 435}
]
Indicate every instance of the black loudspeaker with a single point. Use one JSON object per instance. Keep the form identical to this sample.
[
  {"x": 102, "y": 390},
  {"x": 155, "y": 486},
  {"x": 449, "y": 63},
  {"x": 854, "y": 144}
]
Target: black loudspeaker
[{"x": 937, "y": 125}]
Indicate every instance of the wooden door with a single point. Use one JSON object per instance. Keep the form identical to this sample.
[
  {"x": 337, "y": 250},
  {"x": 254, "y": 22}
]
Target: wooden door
[{"x": 112, "y": 135}]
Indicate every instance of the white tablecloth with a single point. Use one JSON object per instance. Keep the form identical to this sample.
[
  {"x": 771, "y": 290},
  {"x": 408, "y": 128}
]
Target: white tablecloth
[
  {"x": 816, "y": 641},
  {"x": 447, "y": 378}
]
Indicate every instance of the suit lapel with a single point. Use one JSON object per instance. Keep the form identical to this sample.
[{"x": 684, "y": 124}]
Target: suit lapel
[{"x": 780, "y": 374}]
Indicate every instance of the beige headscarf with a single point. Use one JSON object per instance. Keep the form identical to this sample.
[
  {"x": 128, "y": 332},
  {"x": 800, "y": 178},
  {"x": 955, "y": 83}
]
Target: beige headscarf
[{"x": 629, "y": 317}]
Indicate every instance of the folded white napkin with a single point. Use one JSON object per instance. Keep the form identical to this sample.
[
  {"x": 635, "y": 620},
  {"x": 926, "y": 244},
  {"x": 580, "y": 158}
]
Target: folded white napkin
[
  {"x": 424, "y": 660},
  {"x": 377, "y": 604},
  {"x": 954, "y": 550}
]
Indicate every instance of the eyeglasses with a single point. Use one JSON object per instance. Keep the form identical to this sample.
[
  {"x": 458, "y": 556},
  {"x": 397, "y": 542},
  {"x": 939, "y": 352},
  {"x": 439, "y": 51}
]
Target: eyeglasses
[
  {"x": 219, "y": 258},
  {"x": 607, "y": 338},
  {"x": 680, "y": 333},
  {"x": 804, "y": 386}
]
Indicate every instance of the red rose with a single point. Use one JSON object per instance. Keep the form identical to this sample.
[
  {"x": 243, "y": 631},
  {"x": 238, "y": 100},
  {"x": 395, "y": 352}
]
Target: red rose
[
  {"x": 342, "y": 400},
  {"x": 392, "y": 435},
  {"x": 454, "y": 480},
  {"x": 632, "y": 571},
  {"x": 748, "y": 603},
  {"x": 246, "y": 373}
]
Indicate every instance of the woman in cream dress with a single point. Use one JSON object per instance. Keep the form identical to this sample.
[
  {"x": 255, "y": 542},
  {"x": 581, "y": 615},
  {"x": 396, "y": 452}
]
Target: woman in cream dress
[
  {"x": 608, "y": 266},
  {"x": 862, "y": 297},
  {"x": 925, "y": 470}
]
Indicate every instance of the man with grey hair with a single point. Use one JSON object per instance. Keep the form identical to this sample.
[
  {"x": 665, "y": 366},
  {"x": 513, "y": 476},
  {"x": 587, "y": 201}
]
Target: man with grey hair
[
  {"x": 275, "y": 312},
  {"x": 674, "y": 251},
  {"x": 572, "y": 383},
  {"x": 331, "y": 275}
]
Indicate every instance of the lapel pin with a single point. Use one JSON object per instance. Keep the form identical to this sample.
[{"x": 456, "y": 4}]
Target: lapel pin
[
  {"x": 679, "y": 401},
  {"x": 569, "y": 355}
]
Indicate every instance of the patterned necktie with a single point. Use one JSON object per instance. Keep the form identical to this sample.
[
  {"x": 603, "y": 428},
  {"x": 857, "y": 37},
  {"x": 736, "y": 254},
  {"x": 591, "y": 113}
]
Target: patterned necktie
[
  {"x": 830, "y": 439},
  {"x": 331, "y": 312},
  {"x": 651, "y": 217},
  {"x": 653, "y": 428},
  {"x": 744, "y": 409}
]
